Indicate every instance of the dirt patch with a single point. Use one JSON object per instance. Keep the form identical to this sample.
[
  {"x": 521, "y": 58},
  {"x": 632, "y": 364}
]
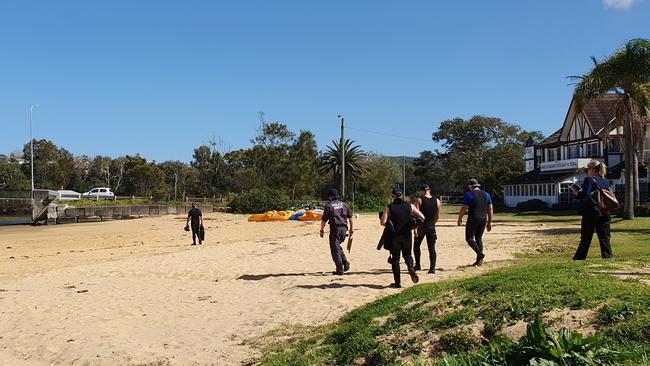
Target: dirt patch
[{"x": 581, "y": 321}]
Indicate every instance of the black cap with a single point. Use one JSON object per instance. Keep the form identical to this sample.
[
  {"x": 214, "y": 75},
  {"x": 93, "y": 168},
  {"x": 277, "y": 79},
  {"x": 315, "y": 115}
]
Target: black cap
[
  {"x": 333, "y": 193},
  {"x": 397, "y": 191},
  {"x": 473, "y": 182},
  {"x": 425, "y": 187}
]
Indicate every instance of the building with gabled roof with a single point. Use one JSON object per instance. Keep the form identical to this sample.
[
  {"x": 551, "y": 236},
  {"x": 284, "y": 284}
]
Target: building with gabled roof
[{"x": 560, "y": 160}]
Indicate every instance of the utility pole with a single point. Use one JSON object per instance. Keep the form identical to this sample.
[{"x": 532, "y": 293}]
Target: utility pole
[
  {"x": 31, "y": 151},
  {"x": 342, "y": 147},
  {"x": 175, "y": 184},
  {"x": 404, "y": 176}
]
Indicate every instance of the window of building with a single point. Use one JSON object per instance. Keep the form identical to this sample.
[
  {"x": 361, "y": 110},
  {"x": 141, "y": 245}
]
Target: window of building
[
  {"x": 574, "y": 151},
  {"x": 554, "y": 154},
  {"x": 614, "y": 144},
  {"x": 593, "y": 150}
]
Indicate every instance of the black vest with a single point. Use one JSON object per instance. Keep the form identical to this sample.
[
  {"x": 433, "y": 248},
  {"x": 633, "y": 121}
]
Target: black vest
[
  {"x": 429, "y": 207},
  {"x": 400, "y": 214},
  {"x": 479, "y": 206}
]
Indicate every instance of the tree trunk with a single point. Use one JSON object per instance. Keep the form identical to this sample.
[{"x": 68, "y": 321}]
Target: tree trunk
[
  {"x": 635, "y": 177},
  {"x": 628, "y": 212}
]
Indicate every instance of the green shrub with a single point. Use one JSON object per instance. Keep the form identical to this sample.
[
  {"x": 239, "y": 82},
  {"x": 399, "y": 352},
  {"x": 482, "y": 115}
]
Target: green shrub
[
  {"x": 642, "y": 210},
  {"x": 368, "y": 203},
  {"x": 458, "y": 341},
  {"x": 259, "y": 200},
  {"x": 532, "y": 205},
  {"x": 540, "y": 346}
]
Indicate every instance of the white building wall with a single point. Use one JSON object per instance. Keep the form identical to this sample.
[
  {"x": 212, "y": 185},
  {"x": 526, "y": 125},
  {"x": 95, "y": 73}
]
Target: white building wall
[{"x": 513, "y": 201}]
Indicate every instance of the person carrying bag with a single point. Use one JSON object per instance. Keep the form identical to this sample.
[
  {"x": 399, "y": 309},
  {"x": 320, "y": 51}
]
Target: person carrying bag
[
  {"x": 399, "y": 240},
  {"x": 597, "y": 202}
]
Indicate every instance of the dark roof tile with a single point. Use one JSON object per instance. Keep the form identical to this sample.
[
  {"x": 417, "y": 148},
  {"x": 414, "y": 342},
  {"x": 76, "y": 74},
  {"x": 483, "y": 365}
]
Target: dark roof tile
[{"x": 600, "y": 111}]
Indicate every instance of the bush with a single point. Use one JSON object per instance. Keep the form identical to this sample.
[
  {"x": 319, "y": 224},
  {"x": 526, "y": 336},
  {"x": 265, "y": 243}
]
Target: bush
[
  {"x": 642, "y": 210},
  {"x": 458, "y": 341},
  {"x": 540, "y": 346},
  {"x": 367, "y": 202},
  {"x": 260, "y": 200},
  {"x": 532, "y": 205}
]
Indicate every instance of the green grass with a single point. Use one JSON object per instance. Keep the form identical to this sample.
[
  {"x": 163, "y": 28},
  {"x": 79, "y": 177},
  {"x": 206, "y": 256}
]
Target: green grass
[{"x": 432, "y": 323}]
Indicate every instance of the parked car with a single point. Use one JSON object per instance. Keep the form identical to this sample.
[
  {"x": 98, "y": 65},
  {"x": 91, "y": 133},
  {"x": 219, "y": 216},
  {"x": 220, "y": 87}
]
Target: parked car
[
  {"x": 67, "y": 195},
  {"x": 101, "y": 192}
]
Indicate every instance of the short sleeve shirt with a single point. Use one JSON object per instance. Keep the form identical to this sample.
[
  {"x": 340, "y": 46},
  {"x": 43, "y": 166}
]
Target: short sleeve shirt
[
  {"x": 194, "y": 214},
  {"x": 469, "y": 198},
  {"x": 336, "y": 213}
]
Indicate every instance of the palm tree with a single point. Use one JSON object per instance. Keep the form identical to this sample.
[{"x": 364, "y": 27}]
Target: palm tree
[
  {"x": 627, "y": 73},
  {"x": 330, "y": 160}
]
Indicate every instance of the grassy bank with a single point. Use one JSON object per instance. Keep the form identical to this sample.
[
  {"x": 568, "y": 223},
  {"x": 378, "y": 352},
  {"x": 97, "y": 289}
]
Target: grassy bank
[
  {"x": 134, "y": 202},
  {"x": 471, "y": 321}
]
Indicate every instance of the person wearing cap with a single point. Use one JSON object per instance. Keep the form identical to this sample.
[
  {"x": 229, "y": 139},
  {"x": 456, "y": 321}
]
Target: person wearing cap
[
  {"x": 398, "y": 215},
  {"x": 430, "y": 208},
  {"x": 339, "y": 217},
  {"x": 477, "y": 204},
  {"x": 196, "y": 218},
  {"x": 592, "y": 218}
]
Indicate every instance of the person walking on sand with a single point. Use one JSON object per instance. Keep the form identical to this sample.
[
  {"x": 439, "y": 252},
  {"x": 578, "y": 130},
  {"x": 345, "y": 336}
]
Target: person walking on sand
[
  {"x": 592, "y": 217},
  {"x": 430, "y": 208},
  {"x": 477, "y": 204},
  {"x": 339, "y": 217},
  {"x": 398, "y": 214},
  {"x": 196, "y": 218}
]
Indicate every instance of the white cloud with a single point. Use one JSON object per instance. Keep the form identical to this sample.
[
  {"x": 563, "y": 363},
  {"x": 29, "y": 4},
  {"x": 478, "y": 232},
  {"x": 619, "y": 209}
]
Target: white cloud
[{"x": 619, "y": 4}]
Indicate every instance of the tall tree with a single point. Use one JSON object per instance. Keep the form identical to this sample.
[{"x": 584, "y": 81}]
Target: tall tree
[
  {"x": 12, "y": 178},
  {"x": 626, "y": 72},
  {"x": 381, "y": 174},
  {"x": 485, "y": 148},
  {"x": 330, "y": 161},
  {"x": 301, "y": 172},
  {"x": 53, "y": 166}
]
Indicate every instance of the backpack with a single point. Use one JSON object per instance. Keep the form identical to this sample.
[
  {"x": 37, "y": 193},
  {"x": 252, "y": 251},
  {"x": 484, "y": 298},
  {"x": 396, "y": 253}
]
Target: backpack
[{"x": 604, "y": 199}]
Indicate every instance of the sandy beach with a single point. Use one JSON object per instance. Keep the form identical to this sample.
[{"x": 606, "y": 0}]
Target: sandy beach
[{"x": 135, "y": 292}]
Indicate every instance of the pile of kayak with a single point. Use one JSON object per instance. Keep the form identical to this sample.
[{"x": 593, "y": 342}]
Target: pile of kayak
[{"x": 301, "y": 215}]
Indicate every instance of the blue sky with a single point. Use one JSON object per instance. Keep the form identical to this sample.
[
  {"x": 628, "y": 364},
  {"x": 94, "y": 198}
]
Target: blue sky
[{"x": 160, "y": 77}]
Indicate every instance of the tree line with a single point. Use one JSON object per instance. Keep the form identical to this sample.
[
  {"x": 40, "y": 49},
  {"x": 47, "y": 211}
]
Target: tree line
[{"x": 285, "y": 161}]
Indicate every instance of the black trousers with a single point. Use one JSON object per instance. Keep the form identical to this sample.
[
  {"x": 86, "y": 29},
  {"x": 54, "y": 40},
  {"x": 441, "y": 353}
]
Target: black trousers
[
  {"x": 337, "y": 237},
  {"x": 430, "y": 234},
  {"x": 474, "y": 230},
  {"x": 195, "y": 232},
  {"x": 401, "y": 244},
  {"x": 589, "y": 224}
]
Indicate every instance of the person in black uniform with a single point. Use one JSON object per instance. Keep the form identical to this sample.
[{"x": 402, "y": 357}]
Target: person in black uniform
[
  {"x": 592, "y": 218},
  {"x": 398, "y": 214},
  {"x": 339, "y": 217},
  {"x": 430, "y": 208},
  {"x": 478, "y": 205},
  {"x": 196, "y": 218}
]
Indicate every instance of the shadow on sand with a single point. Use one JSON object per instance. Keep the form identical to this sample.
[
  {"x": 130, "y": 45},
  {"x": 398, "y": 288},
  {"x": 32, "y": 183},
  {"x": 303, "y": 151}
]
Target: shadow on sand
[
  {"x": 335, "y": 285},
  {"x": 259, "y": 277}
]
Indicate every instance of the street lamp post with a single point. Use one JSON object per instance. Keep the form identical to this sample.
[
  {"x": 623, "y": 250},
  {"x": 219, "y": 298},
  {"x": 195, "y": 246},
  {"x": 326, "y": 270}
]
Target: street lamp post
[
  {"x": 31, "y": 150},
  {"x": 342, "y": 170}
]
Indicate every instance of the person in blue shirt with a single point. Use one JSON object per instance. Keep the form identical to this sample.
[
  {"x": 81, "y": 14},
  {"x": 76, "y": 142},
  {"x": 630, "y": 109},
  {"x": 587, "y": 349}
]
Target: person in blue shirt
[
  {"x": 592, "y": 218},
  {"x": 477, "y": 204}
]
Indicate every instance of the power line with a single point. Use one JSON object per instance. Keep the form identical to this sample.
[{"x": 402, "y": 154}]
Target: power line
[{"x": 388, "y": 134}]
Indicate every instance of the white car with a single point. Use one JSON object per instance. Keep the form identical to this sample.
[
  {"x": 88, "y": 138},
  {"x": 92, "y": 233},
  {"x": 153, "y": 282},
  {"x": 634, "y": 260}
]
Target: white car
[{"x": 101, "y": 192}]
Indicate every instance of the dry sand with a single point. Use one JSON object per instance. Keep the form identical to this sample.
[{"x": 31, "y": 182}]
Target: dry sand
[{"x": 136, "y": 293}]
